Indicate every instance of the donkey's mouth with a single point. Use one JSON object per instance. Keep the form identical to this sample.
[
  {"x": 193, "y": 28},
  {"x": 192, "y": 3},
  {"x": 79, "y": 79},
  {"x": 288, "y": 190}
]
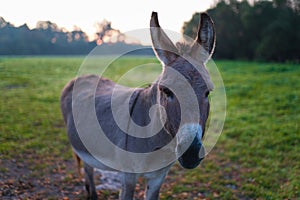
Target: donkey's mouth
[{"x": 195, "y": 152}]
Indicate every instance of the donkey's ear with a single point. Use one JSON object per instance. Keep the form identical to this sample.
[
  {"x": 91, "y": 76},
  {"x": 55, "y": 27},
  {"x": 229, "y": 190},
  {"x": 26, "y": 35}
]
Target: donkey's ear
[
  {"x": 163, "y": 47},
  {"x": 206, "y": 38}
]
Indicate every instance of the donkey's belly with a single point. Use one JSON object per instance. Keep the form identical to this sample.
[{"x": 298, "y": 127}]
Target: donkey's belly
[{"x": 87, "y": 158}]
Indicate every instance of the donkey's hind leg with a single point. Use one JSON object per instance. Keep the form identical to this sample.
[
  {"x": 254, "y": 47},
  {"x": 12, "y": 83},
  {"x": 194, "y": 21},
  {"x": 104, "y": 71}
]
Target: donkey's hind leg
[{"x": 89, "y": 181}]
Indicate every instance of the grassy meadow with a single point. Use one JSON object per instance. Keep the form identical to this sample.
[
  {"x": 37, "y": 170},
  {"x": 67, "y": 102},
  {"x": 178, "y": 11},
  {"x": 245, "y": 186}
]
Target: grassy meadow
[{"x": 256, "y": 157}]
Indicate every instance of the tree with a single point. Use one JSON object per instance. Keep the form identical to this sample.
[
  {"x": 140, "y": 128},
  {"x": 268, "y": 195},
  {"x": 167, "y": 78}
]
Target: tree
[{"x": 262, "y": 31}]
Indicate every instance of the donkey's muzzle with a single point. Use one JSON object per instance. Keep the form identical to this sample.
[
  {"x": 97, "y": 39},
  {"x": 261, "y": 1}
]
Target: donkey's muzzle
[{"x": 193, "y": 155}]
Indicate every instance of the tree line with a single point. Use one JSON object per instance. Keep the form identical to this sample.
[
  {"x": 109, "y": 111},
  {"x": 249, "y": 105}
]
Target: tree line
[
  {"x": 47, "y": 38},
  {"x": 265, "y": 30}
]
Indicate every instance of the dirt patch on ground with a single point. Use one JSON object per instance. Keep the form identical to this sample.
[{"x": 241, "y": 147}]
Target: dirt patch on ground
[
  {"x": 52, "y": 178},
  {"x": 38, "y": 180},
  {"x": 43, "y": 178}
]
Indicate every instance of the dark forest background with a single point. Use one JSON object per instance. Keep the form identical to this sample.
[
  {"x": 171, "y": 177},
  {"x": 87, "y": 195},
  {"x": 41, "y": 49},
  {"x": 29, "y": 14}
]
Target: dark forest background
[
  {"x": 266, "y": 30},
  {"x": 263, "y": 30}
]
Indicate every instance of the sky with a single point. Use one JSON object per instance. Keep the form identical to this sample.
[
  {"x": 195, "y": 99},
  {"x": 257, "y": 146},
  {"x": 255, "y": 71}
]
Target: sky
[{"x": 125, "y": 15}]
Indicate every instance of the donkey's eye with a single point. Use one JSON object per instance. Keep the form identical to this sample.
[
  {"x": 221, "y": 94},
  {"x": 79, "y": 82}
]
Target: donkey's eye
[{"x": 168, "y": 93}]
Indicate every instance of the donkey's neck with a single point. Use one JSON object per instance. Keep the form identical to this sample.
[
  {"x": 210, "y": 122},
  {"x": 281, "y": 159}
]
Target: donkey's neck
[
  {"x": 141, "y": 105},
  {"x": 156, "y": 136}
]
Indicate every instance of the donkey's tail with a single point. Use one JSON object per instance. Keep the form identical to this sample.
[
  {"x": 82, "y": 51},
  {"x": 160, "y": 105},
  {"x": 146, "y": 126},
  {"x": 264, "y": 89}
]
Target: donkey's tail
[{"x": 78, "y": 164}]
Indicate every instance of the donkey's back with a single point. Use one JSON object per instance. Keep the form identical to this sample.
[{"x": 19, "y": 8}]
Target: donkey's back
[
  {"x": 97, "y": 93},
  {"x": 103, "y": 88},
  {"x": 99, "y": 87}
]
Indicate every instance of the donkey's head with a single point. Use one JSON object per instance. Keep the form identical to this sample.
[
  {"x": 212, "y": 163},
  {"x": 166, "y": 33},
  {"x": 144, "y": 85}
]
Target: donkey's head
[{"x": 184, "y": 86}]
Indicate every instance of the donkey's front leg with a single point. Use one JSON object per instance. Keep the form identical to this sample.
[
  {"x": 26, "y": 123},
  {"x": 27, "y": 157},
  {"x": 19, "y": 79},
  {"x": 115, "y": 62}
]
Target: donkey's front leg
[
  {"x": 128, "y": 186},
  {"x": 153, "y": 186}
]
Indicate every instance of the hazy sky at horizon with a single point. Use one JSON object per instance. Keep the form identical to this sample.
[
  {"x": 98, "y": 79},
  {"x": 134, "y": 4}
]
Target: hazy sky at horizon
[{"x": 124, "y": 15}]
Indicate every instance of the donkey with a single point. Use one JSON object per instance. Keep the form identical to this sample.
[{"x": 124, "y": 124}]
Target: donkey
[{"x": 183, "y": 68}]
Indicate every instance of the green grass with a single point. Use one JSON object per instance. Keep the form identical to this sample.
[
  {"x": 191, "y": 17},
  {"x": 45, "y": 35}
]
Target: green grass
[{"x": 256, "y": 157}]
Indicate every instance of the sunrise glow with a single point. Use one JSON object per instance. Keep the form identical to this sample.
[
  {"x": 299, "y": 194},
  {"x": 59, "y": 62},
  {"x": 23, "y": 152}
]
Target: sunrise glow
[{"x": 124, "y": 15}]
